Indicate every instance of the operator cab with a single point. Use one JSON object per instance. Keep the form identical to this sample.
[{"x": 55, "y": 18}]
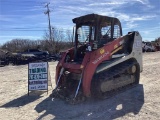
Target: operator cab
[{"x": 94, "y": 31}]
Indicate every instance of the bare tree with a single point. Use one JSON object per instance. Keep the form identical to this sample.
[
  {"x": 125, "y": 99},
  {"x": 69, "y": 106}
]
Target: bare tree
[
  {"x": 18, "y": 45},
  {"x": 62, "y": 40},
  {"x": 69, "y": 36}
]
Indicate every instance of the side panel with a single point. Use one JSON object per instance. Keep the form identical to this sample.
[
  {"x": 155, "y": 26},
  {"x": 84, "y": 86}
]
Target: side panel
[
  {"x": 96, "y": 58},
  {"x": 137, "y": 49},
  {"x": 136, "y": 54}
]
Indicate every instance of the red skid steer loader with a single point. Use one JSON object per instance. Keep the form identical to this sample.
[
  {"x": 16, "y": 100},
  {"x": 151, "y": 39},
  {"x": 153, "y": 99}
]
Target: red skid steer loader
[{"x": 102, "y": 60}]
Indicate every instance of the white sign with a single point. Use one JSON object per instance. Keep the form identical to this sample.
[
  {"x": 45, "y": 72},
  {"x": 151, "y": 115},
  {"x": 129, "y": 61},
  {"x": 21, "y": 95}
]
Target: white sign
[{"x": 38, "y": 76}]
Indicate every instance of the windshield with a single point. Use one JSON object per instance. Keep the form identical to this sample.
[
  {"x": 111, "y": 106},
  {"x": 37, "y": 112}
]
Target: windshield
[{"x": 85, "y": 34}]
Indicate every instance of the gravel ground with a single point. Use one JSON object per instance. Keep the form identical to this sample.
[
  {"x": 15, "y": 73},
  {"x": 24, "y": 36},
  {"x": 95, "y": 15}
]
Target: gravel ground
[{"x": 140, "y": 102}]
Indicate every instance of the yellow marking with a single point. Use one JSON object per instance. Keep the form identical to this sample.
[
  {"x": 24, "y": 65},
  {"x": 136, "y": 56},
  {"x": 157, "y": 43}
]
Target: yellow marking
[
  {"x": 81, "y": 66},
  {"x": 115, "y": 46},
  {"x": 116, "y": 50},
  {"x": 102, "y": 51}
]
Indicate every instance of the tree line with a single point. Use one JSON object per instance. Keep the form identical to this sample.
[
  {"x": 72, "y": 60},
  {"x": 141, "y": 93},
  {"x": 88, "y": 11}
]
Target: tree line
[{"x": 60, "y": 40}]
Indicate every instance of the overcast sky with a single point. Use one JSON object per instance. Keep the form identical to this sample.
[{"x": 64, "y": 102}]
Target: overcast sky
[{"x": 26, "y": 18}]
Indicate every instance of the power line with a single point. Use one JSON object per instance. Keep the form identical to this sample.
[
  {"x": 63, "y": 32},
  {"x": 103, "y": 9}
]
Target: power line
[
  {"x": 23, "y": 30},
  {"x": 32, "y": 28},
  {"x": 21, "y": 4},
  {"x": 22, "y": 27}
]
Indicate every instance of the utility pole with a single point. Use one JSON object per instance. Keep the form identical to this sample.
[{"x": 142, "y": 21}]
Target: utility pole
[{"x": 47, "y": 12}]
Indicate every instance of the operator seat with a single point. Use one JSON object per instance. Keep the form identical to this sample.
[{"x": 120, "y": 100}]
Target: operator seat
[{"x": 104, "y": 40}]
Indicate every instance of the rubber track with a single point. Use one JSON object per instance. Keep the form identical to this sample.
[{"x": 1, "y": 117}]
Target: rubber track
[{"x": 109, "y": 74}]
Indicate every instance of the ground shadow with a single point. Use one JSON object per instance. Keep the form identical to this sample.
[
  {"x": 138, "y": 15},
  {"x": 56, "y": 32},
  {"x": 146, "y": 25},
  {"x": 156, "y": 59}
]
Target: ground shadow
[
  {"x": 23, "y": 100},
  {"x": 130, "y": 101}
]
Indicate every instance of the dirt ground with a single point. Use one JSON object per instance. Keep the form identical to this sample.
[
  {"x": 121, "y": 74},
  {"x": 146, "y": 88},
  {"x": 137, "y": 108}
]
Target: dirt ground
[{"x": 140, "y": 102}]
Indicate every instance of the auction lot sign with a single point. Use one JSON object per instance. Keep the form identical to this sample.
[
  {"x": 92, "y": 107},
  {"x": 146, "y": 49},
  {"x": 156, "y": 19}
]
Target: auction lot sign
[{"x": 38, "y": 76}]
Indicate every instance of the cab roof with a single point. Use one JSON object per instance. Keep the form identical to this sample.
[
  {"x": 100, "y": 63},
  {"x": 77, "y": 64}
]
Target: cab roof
[{"x": 94, "y": 18}]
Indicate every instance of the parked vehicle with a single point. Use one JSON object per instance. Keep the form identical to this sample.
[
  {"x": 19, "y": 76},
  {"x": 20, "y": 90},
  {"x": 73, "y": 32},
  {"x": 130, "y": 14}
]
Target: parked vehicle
[
  {"x": 157, "y": 46},
  {"x": 36, "y": 52},
  {"x": 148, "y": 47},
  {"x": 4, "y": 57}
]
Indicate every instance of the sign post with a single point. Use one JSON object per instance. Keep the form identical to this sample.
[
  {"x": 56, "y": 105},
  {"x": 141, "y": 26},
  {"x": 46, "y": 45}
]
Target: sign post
[{"x": 38, "y": 76}]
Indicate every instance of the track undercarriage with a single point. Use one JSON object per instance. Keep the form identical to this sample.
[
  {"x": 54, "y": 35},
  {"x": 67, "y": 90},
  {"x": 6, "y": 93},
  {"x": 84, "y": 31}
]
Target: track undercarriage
[
  {"x": 104, "y": 84},
  {"x": 115, "y": 79}
]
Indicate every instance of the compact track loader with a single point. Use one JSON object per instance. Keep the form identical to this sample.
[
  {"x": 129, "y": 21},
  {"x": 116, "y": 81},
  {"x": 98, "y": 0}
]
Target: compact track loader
[{"x": 101, "y": 62}]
